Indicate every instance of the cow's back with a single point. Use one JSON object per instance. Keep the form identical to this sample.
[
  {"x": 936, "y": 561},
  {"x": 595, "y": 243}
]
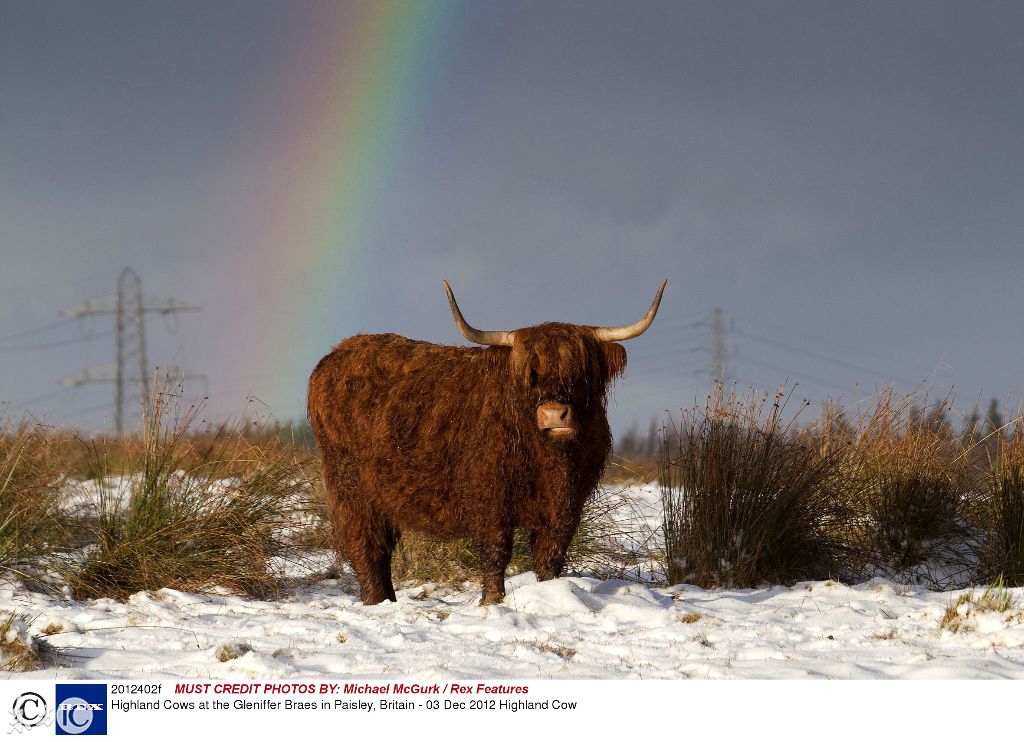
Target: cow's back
[{"x": 424, "y": 424}]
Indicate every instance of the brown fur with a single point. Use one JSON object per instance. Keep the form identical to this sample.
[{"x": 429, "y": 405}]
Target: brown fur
[{"x": 443, "y": 440}]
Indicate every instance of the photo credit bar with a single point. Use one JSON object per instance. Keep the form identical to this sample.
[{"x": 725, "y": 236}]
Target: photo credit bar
[{"x": 176, "y": 709}]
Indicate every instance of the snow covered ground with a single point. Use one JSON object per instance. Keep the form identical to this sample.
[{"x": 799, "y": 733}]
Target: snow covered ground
[{"x": 571, "y": 627}]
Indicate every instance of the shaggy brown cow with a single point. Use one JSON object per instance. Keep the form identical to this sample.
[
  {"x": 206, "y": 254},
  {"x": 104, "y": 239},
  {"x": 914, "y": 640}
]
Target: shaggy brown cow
[{"x": 465, "y": 442}]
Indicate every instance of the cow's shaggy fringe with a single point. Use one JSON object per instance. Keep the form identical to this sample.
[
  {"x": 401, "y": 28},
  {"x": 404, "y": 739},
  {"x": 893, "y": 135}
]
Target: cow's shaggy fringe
[
  {"x": 747, "y": 497},
  {"x": 193, "y": 516}
]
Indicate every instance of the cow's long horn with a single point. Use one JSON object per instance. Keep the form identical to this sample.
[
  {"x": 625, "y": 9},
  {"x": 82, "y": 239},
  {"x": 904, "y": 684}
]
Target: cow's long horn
[
  {"x": 612, "y": 334},
  {"x": 484, "y": 337}
]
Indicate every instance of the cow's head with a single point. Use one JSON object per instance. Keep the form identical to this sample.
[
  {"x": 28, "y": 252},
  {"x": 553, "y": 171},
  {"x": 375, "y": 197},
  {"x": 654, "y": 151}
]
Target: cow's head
[{"x": 561, "y": 371}]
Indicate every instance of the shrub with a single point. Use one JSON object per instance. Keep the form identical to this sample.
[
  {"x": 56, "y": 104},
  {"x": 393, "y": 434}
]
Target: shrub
[
  {"x": 747, "y": 497},
  {"x": 908, "y": 482},
  {"x": 31, "y": 488},
  {"x": 1004, "y": 510},
  {"x": 192, "y": 515}
]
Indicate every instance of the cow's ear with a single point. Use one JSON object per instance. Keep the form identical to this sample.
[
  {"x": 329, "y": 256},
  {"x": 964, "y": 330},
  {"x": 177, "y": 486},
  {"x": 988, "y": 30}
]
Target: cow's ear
[{"x": 614, "y": 357}]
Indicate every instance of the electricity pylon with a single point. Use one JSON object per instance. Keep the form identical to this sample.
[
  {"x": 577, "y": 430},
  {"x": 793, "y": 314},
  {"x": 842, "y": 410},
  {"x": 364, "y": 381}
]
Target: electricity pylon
[{"x": 130, "y": 374}]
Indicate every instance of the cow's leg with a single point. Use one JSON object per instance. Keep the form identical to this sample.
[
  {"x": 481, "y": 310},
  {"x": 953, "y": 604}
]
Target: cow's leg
[
  {"x": 361, "y": 534},
  {"x": 495, "y": 547},
  {"x": 392, "y": 535},
  {"x": 368, "y": 540},
  {"x": 549, "y": 549}
]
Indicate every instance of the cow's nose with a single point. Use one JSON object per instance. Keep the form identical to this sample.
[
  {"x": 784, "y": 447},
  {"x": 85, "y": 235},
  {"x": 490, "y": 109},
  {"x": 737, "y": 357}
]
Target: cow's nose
[{"x": 557, "y": 419}]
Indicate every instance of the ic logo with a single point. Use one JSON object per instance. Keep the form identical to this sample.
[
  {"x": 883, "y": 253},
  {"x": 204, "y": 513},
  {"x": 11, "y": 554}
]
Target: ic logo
[{"x": 81, "y": 709}]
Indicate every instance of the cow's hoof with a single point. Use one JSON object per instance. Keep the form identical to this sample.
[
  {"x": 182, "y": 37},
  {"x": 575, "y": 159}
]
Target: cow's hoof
[{"x": 377, "y": 599}]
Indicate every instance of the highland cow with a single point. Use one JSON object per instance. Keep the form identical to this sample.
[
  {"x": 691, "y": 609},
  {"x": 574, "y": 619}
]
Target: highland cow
[{"x": 465, "y": 442}]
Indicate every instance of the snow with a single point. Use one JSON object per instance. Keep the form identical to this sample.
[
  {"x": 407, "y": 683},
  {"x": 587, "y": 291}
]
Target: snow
[{"x": 573, "y": 627}]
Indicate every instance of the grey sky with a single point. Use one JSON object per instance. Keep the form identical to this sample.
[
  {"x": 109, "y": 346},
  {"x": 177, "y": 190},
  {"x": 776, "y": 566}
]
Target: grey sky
[{"x": 845, "y": 180}]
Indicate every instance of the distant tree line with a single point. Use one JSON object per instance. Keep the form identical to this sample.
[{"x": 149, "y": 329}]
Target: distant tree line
[
  {"x": 637, "y": 443},
  {"x": 633, "y": 443}
]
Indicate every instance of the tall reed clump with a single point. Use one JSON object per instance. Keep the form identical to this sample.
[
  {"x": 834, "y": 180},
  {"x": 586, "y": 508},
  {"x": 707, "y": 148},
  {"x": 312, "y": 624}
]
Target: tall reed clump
[
  {"x": 31, "y": 491},
  {"x": 747, "y": 497},
  {"x": 1003, "y": 507},
  {"x": 909, "y": 481},
  {"x": 192, "y": 513}
]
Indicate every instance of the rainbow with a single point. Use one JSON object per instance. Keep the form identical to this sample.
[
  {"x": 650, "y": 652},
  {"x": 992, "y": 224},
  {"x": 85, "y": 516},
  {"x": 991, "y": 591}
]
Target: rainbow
[{"x": 346, "y": 116}]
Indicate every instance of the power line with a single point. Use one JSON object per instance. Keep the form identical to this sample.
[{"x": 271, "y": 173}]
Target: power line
[
  {"x": 33, "y": 286},
  {"x": 798, "y": 375},
  {"x": 826, "y": 357},
  {"x": 822, "y": 340},
  {"x": 41, "y": 398},
  {"x": 56, "y": 343},
  {"x": 719, "y": 356},
  {"x": 92, "y": 408},
  {"x": 36, "y": 330}
]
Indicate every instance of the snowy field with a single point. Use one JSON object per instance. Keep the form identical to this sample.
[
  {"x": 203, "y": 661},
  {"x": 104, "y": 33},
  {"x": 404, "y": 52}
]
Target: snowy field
[{"x": 572, "y": 627}]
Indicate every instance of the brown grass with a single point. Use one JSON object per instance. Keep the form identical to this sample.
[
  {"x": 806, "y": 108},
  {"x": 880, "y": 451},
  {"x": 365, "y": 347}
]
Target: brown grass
[
  {"x": 632, "y": 469},
  {"x": 193, "y": 514},
  {"x": 748, "y": 498},
  {"x": 908, "y": 482},
  {"x": 418, "y": 559},
  {"x": 19, "y": 652},
  {"x": 32, "y": 479},
  {"x": 1003, "y": 509},
  {"x": 887, "y": 488},
  {"x": 959, "y": 616}
]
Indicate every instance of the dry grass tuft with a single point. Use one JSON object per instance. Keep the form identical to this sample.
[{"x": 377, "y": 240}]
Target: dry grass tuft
[
  {"x": 32, "y": 479},
  {"x": 908, "y": 483},
  {"x": 632, "y": 469},
  {"x": 197, "y": 515},
  {"x": 1003, "y": 509},
  {"x": 564, "y": 652},
  {"x": 890, "y": 489},
  {"x": 418, "y": 559},
  {"x": 19, "y": 650},
  {"x": 231, "y": 651},
  {"x": 747, "y": 498},
  {"x": 960, "y": 616}
]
